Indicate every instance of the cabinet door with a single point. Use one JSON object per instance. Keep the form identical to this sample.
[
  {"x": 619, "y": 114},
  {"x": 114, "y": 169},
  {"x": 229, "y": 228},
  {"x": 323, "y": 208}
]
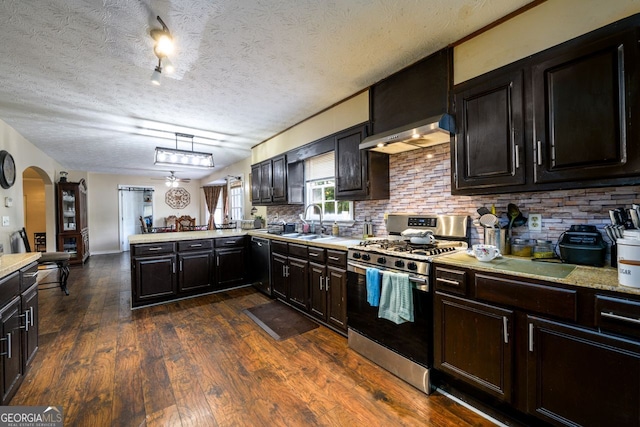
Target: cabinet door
[
  {"x": 298, "y": 277},
  {"x": 295, "y": 183},
  {"x": 351, "y": 165},
  {"x": 336, "y": 286},
  {"x": 317, "y": 292},
  {"x": 230, "y": 267},
  {"x": 583, "y": 97},
  {"x": 29, "y": 325},
  {"x": 266, "y": 182},
  {"x": 278, "y": 276},
  {"x": 11, "y": 352},
  {"x": 489, "y": 144},
  {"x": 474, "y": 343},
  {"x": 195, "y": 271},
  {"x": 279, "y": 179},
  {"x": 581, "y": 377},
  {"x": 256, "y": 183},
  {"x": 155, "y": 277}
]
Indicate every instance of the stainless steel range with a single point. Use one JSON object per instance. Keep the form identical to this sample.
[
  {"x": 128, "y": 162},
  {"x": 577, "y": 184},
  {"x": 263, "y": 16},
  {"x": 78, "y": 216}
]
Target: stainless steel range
[{"x": 413, "y": 241}]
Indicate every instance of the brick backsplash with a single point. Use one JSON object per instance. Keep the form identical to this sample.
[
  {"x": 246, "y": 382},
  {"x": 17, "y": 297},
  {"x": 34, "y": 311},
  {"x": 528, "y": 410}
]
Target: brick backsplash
[{"x": 420, "y": 182}]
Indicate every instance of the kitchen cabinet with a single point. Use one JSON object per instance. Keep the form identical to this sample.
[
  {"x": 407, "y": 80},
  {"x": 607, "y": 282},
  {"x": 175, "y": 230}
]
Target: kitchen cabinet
[
  {"x": 359, "y": 174},
  {"x": 230, "y": 255},
  {"x": 489, "y": 144},
  {"x": 30, "y": 313},
  {"x": 11, "y": 351},
  {"x": 279, "y": 263},
  {"x": 73, "y": 227},
  {"x": 295, "y": 183},
  {"x": 153, "y": 273},
  {"x": 474, "y": 342},
  {"x": 540, "y": 351},
  {"x": 328, "y": 286},
  {"x": 580, "y": 377},
  {"x": 195, "y": 266},
  {"x": 290, "y": 273},
  {"x": 560, "y": 119},
  {"x": 269, "y": 181},
  {"x": 583, "y": 97}
]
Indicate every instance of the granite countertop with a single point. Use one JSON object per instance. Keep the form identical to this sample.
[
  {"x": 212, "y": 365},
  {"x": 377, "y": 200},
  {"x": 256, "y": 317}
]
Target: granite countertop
[
  {"x": 338, "y": 243},
  {"x": 605, "y": 278},
  {"x": 14, "y": 262}
]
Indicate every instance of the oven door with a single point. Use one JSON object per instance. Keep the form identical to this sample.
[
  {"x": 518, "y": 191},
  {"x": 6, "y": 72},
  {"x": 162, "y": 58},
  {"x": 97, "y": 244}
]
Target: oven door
[{"x": 409, "y": 339}]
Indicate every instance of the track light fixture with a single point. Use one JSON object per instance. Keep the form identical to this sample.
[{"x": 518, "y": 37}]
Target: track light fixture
[
  {"x": 183, "y": 158},
  {"x": 162, "y": 48}
]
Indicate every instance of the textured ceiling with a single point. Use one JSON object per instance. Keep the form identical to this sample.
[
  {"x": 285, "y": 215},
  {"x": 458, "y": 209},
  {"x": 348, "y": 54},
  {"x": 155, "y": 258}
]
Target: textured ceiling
[{"x": 75, "y": 75}]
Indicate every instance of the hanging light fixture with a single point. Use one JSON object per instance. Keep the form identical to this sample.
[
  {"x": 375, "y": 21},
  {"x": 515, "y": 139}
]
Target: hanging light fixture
[
  {"x": 184, "y": 158},
  {"x": 162, "y": 48}
]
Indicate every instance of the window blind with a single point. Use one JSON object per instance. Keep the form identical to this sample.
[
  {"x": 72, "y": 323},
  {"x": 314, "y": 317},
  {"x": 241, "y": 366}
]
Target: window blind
[{"x": 320, "y": 167}]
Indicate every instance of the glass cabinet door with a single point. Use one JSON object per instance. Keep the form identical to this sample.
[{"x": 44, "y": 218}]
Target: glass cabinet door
[
  {"x": 69, "y": 210},
  {"x": 70, "y": 245}
]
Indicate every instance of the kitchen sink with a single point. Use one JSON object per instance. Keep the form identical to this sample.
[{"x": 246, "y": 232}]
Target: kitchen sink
[{"x": 291, "y": 235}]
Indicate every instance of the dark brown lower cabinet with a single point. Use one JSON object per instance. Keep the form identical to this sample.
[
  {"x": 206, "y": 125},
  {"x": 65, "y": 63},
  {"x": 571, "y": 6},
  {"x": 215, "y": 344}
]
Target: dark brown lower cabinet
[
  {"x": 195, "y": 272},
  {"x": 230, "y": 267},
  {"x": 29, "y": 325},
  {"x": 279, "y": 280},
  {"x": 154, "y": 278},
  {"x": 474, "y": 342},
  {"x": 336, "y": 289},
  {"x": 317, "y": 291},
  {"x": 298, "y": 278},
  {"x": 580, "y": 377},
  {"x": 10, "y": 349}
]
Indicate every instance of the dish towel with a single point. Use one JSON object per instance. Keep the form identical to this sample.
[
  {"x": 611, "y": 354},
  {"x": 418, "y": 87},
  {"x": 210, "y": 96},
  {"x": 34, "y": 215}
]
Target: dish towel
[
  {"x": 396, "y": 298},
  {"x": 373, "y": 286}
]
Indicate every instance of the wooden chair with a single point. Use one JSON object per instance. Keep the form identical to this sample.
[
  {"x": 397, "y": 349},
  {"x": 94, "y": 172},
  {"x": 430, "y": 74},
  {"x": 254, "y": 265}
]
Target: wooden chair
[
  {"x": 171, "y": 221},
  {"x": 49, "y": 260},
  {"x": 185, "y": 223}
]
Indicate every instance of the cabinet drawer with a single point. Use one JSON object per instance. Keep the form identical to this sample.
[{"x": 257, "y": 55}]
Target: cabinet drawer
[
  {"x": 297, "y": 250},
  {"x": 147, "y": 249},
  {"x": 549, "y": 300},
  {"x": 9, "y": 287},
  {"x": 195, "y": 245},
  {"x": 29, "y": 276},
  {"x": 279, "y": 247},
  {"x": 337, "y": 258},
  {"x": 451, "y": 281},
  {"x": 316, "y": 254},
  {"x": 225, "y": 242},
  {"x": 618, "y": 315}
]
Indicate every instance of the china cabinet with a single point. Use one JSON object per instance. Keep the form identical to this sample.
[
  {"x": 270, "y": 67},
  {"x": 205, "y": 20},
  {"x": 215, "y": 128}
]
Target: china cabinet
[{"x": 73, "y": 230}]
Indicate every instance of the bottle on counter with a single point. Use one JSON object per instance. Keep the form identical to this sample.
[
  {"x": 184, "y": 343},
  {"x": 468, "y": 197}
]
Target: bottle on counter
[{"x": 335, "y": 230}]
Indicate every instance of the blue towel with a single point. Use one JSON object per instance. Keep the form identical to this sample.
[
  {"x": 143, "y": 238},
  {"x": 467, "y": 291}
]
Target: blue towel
[
  {"x": 396, "y": 298},
  {"x": 373, "y": 287}
]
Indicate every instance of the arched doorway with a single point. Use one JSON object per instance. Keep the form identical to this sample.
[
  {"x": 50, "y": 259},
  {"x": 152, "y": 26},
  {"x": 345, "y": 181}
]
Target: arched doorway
[{"x": 39, "y": 207}]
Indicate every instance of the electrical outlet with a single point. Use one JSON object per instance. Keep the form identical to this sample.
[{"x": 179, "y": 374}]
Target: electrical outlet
[{"x": 535, "y": 222}]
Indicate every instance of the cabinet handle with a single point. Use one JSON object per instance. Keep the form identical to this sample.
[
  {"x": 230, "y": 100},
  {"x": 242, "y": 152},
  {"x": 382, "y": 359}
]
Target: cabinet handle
[
  {"x": 618, "y": 317},
  {"x": 218, "y": 261},
  {"x": 29, "y": 275},
  {"x": 26, "y": 321},
  {"x": 197, "y": 245},
  {"x": 313, "y": 254},
  {"x": 232, "y": 242},
  {"x": 517, "y": 156},
  {"x": 8, "y": 339},
  {"x": 173, "y": 267},
  {"x": 31, "y": 317},
  {"x": 158, "y": 248},
  {"x": 180, "y": 265},
  {"x": 531, "y": 337},
  {"x": 539, "y": 152},
  {"x": 334, "y": 258},
  {"x": 320, "y": 282},
  {"x": 326, "y": 284},
  {"x": 448, "y": 281},
  {"x": 504, "y": 327}
]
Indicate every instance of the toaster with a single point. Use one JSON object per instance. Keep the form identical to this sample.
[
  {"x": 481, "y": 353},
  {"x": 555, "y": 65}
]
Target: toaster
[{"x": 583, "y": 244}]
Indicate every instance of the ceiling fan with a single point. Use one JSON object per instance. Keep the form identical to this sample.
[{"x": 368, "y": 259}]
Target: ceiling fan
[{"x": 172, "y": 180}]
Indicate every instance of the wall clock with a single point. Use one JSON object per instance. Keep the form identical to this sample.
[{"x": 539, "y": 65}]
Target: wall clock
[
  {"x": 177, "y": 198},
  {"x": 7, "y": 169}
]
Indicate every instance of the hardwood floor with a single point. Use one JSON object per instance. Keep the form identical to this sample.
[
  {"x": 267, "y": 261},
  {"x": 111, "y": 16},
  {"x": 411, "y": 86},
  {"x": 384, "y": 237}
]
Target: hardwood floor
[{"x": 202, "y": 362}]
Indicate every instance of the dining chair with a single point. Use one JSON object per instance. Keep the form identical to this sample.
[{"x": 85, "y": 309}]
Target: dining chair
[{"x": 50, "y": 260}]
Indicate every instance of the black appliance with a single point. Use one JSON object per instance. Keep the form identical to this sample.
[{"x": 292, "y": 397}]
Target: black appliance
[
  {"x": 261, "y": 262},
  {"x": 582, "y": 244},
  {"x": 403, "y": 349}
]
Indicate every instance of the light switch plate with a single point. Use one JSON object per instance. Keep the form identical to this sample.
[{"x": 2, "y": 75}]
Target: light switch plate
[
  {"x": 5, "y": 221},
  {"x": 535, "y": 222}
]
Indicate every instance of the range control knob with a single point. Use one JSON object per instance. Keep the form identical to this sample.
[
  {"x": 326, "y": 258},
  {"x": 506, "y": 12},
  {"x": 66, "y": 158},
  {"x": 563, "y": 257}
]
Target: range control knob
[
  {"x": 412, "y": 266},
  {"x": 382, "y": 260},
  {"x": 399, "y": 263},
  {"x": 356, "y": 255},
  {"x": 365, "y": 257}
]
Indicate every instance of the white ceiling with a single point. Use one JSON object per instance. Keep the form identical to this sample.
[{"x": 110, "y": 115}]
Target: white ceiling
[{"x": 75, "y": 75}]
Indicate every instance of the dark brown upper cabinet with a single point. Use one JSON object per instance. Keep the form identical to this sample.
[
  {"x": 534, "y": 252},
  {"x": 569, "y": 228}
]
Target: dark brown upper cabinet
[
  {"x": 269, "y": 181},
  {"x": 359, "y": 174},
  {"x": 560, "y": 119},
  {"x": 581, "y": 97},
  {"x": 489, "y": 144}
]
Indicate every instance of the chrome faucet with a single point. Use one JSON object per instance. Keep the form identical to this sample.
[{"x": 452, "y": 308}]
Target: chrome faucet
[{"x": 315, "y": 205}]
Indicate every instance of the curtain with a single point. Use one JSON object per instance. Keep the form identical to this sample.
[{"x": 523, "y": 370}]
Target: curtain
[
  {"x": 225, "y": 203},
  {"x": 211, "y": 196}
]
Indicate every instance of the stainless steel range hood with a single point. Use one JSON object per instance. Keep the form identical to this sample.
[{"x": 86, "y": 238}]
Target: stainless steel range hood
[{"x": 425, "y": 133}]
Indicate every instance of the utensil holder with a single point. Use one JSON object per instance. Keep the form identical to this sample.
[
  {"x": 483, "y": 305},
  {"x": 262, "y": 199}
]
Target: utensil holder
[{"x": 614, "y": 255}]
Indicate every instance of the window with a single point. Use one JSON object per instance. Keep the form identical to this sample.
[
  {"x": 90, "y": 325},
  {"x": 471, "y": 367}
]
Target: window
[
  {"x": 235, "y": 201},
  {"x": 320, "y": 190}
]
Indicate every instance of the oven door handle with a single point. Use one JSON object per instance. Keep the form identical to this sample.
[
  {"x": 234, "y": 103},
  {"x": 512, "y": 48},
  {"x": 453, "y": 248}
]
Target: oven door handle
[{"x": 360, "y": 269}]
